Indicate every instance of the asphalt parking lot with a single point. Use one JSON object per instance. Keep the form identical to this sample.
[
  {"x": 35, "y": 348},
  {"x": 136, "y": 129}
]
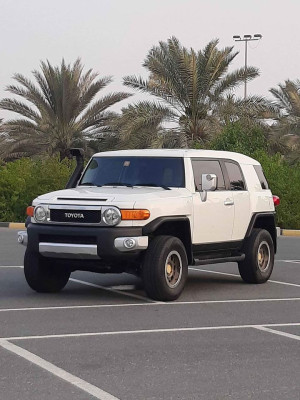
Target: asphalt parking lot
[{"x": 102, "y": 338}]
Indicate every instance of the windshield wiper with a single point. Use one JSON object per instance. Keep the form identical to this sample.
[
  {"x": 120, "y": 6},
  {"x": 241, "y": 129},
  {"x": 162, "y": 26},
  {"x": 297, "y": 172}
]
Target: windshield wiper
[
  {"x": 118, "y": 184},
  {"x": 89, "y": 184},
  {"x": 154, "y": 185}
]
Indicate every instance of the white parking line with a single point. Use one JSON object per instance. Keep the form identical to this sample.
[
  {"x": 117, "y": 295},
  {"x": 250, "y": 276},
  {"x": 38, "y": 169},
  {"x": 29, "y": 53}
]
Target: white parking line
[
  {"x": 289, "y": 261},
  {"x": 171, "y": 304},
  {"x": 124, "y": 287},
  {"x": 59, "y": 372},
  {"x": 238, "y": 276},
  {"x": 213, "y": 272},
  {"x": 11, "y": 266},
  {"x": 144, "y": 331},
  {"x": 285, "y": 334},
  {"x": 284, "y": 283},
  {"x": 109, "y": 289}
]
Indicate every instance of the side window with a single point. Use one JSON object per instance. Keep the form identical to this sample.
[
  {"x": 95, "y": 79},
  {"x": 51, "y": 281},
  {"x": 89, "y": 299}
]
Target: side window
[
  {"x": 261, "y": 177},
  {"x": 208, "y": 167},
  {"x": 235, "y": 176}
]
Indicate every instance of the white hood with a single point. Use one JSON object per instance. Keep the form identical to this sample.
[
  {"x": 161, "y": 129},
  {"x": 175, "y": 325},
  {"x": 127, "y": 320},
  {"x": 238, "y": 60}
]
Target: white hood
[{"x": 108, "y": 195}]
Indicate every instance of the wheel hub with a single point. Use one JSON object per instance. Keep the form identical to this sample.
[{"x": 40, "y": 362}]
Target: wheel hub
[
  {"x": 173, "y": 269},
  {"x": 263, "y": 256},
  {"x": 169, "y": 269}
]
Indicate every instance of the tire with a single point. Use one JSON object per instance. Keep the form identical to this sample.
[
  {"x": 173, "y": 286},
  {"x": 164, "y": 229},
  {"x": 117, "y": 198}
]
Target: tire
[
  {"x": 259, "y": 261},
  {"x": 42, "y": 275},
  {"x": 165, "y": 268}
]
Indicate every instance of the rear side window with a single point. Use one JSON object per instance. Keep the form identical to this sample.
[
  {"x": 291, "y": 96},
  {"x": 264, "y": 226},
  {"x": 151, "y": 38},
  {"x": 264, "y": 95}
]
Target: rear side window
[
  {"x": 261, "y": 177},
  {"x": 208, "y": 167},
  {"x": 235, "y": 176}
]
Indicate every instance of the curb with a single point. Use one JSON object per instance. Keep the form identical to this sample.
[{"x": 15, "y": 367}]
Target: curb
[
  {"x": 12, "y": 225},
  {"x": 289, "y": 232}
]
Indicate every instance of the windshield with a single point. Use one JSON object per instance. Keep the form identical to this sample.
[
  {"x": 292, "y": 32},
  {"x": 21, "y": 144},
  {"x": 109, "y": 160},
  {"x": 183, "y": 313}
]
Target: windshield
[{"x": 134, "y": 171}]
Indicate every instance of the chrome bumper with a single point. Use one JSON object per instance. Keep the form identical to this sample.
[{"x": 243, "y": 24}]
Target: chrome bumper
[
  {"x": 68, "y": 250},
  {"x": 89, "y": 251}
]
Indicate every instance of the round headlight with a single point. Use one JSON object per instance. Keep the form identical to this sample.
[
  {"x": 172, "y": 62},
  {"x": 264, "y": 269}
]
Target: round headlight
[
  {"x": 111, "y": 216},
  {"x": 40, "y": 214}
]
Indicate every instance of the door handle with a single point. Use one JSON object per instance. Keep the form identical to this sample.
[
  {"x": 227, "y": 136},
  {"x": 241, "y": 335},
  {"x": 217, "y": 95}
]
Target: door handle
[{"x": 228, "y": 202}]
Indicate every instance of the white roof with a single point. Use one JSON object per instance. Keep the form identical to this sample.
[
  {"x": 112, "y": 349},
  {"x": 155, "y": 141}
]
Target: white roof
[{"x": 240, "y": 158}]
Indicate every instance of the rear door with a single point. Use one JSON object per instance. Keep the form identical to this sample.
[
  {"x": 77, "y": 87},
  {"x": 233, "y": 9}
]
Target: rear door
[
  {"x": 241, "y": 198},
  {"x": 213, "y": 218}
]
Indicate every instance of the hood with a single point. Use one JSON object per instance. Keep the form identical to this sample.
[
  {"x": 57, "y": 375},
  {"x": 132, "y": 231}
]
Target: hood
[{"x": 108, "y": 195}]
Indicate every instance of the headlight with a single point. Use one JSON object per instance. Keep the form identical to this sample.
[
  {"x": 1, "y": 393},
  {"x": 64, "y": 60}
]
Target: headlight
[
  {"x": 40, "y": 214},
  {"x": 111, "y": 216}
]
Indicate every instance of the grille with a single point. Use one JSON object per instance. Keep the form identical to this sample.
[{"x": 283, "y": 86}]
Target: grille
[
  {"x": 76, "y": 216},
  {"x": 68, "y": 239}
]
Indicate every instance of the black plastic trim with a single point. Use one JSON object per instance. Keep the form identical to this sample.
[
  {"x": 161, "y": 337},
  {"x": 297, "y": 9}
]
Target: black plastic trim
[
  {"x": 153, "y": 225},
  {"x": 218, "y": 260},
  {"x": 78, "y": 153},
  {"x": 217, "y": 247},
  {"x": 253, "y": 220}
]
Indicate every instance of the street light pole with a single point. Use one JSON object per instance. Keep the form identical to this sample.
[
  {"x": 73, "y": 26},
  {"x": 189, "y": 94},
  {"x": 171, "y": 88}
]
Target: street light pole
[
  {"x": 246, "y": 39},
  {"x": 246, "y": 51}
]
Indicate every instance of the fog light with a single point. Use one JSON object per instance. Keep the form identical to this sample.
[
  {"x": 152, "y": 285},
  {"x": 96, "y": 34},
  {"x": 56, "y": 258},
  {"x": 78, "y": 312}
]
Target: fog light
[{"x": 129, "y": 243}]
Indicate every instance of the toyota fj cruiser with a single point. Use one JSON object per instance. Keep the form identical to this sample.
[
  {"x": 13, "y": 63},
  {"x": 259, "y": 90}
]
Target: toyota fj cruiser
[{"x": 153, "y": 213}]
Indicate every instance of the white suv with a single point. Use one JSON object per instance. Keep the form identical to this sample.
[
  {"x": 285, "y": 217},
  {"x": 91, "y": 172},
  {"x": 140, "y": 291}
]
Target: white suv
[{"x": 153, "y": 213}]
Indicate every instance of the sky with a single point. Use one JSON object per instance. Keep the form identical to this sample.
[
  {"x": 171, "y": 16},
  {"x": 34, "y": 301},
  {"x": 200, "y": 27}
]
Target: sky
[{"x": 113, "y": 36}]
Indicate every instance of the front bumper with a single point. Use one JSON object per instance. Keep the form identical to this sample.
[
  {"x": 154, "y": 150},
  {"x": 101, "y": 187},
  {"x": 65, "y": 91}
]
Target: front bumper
[
  {"x": 22, "y": 237},
  {"x": 84, "y": 242}
]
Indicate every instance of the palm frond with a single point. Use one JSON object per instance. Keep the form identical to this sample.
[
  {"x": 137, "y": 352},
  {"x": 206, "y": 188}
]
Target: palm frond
[
  {"x": 62, "y": 108},
  {"x": 19, "y": 108},
  {"x": 233, "y": 80}
]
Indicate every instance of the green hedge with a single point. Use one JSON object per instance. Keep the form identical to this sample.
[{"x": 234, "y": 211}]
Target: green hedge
[
  {"x": 23, "y": 180},
  {"x": 284, "y": 181}
]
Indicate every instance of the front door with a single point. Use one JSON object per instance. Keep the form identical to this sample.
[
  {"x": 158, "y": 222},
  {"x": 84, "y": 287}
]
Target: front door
[{"x": 213, "y": 218}]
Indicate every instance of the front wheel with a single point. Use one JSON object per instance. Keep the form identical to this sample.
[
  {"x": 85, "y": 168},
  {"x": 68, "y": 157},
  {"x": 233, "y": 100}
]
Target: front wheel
[
  {"x": 42, "y": 275},
  {"x": 165, "y": 268},
  {"x": 259, "y": 257}
]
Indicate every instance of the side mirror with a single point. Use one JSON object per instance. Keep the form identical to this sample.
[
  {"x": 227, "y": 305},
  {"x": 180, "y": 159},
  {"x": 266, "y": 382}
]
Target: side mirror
[{"x": 209, "y": 182}]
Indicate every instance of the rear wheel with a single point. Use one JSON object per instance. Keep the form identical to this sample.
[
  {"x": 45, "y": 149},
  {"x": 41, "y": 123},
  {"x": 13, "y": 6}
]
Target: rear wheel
[
  {"x": 259, "y": 261},
  {"x": 42, "y": 275},
  {"x": 165, "y": 268}
]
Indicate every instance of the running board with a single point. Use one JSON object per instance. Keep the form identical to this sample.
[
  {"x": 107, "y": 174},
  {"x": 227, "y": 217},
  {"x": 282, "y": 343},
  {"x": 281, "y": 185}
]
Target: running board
[{"x": 238, "y": 258}]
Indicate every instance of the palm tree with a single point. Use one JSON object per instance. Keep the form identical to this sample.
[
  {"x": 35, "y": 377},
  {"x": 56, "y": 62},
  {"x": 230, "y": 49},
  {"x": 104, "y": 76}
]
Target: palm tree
[
  {"x": 287, "y": 129},
  {"x": 60, "y": 111},
  {"x": 2, "y": 140},
  {"x": 193, "y": 88}
]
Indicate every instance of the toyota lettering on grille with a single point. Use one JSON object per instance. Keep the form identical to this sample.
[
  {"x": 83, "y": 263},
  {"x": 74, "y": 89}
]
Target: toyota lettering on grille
[{"x": 74, "y": 215}]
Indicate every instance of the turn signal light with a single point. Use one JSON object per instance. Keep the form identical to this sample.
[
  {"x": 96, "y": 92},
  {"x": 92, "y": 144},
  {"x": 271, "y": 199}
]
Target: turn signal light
[
  {"x": 135, "y": 214},
  {"x": 276, "y": 201},
  {"x": 30, "y": 211}
]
